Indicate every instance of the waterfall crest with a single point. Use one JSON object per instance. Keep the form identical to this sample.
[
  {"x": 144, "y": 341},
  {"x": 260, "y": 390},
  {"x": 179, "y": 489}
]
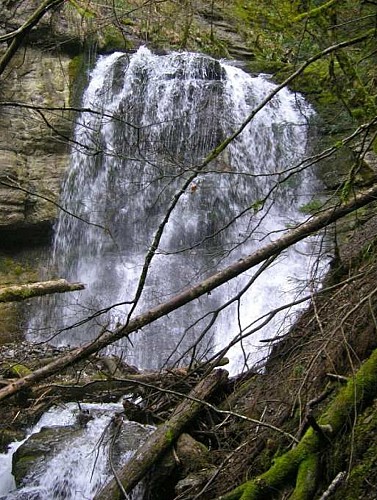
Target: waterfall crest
[{"x": 152, "y": 121}]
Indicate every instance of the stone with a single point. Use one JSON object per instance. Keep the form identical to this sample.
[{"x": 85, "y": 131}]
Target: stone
[
  {"x": 33, "y": 153},
  {"x": 37, "y": 449}
]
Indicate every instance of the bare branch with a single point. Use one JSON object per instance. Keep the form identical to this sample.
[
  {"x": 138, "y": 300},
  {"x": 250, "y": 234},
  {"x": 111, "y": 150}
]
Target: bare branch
[
  {"x": 299, "y": 233},
  {"x": 18, "y": 36}
]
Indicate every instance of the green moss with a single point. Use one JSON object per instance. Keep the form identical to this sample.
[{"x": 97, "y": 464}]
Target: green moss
[
  {"x": 306, "y": 478},
  {"x": 24, "y": 464},
  {"x": 312, "y": 207},
  {"x": 78, "y": 73},
  {"x": 74, "y": 67},
  {"x": 113, "y": 40},
  {"x": 14, "y": 271},
  {"x": 339, "y": 415},
  {"x": 8, "y": 436},
  {"x": 363, "y": 449},
  {"x": 211, "y": 45},
  {"x": 169, "y": 436},
  {"x": 17, "y": 370}
]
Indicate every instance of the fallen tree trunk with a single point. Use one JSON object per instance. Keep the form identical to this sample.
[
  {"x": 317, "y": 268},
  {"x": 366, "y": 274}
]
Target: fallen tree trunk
[
  {"x": 162, "y": 439},
  {"x": 302, "y": 461},
  {"x": 16, "y": 293},
  {"x": 179, "y": 379},
  {"x": 299, "y": 233}
]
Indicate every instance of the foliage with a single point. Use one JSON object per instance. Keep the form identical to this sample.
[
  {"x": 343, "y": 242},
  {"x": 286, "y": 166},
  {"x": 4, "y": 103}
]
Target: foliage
[{"x": 287, "y": 33}]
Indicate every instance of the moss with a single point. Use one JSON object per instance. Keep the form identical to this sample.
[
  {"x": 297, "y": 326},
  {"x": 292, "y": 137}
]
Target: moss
[
  {"x": 14, "y": 271},
  {"x": 306, "y": 478},
  {"x": 74, "y": 68},
  {"x": 24, "y": 464},
  {"x": 312, "y": 207},
  {"x": 339, "y": 415},
  {"x": 363, "y": 449},
  {"x": 77, "y": 78},
  {"x": 8, "y": 436},
  {"x": 169, "y": 436},
  {"x": 17, "y": 370},
  {"x": 212, "y": 45},
  {"x": 113, "y": 40}
]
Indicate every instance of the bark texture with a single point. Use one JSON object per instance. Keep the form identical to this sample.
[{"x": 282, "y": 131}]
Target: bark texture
[
  {"x": 301, "y": 462},
  {"x": 163, "y": 438},
  {"x": 16, "y": 293}
]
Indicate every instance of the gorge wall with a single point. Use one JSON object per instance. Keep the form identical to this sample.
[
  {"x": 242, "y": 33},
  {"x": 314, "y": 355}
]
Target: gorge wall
[
  {"x": 39, "y": 88},
  {"x": 47, "y": 73}
]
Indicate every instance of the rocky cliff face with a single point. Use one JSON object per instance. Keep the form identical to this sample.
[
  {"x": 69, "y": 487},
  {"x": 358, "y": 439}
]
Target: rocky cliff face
[
  {"x": 33, "y": 145},
  {"x": 33, "y": 152},
  {"x": 33, "y": 139},
  {"x": 34, "y": 133}
]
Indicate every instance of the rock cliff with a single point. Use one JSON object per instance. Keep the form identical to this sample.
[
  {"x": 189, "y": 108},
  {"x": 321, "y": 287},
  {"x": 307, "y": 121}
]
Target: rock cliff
[{"x": 45, "y": 76}]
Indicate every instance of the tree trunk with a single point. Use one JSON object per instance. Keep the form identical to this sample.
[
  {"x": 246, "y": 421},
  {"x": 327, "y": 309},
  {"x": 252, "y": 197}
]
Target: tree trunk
[
  {"x": 299, "y": 233},
  {"x": 16, "y": 293},
  {"x": 163, "y": 438}
]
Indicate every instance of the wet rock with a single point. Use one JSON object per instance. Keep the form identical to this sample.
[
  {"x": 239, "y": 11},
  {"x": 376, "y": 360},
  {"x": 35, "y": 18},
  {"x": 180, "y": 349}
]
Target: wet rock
[
  {"x": 124, "y": 437},
  {"x": 192, "y": 454},
  {"x": 180, "y": 468},
  {"x": 26, "y": 352},
  {"x": 130, "y": 437},
  {"x": 38, "y": 449},
  {"x": 194, "y": 482}
]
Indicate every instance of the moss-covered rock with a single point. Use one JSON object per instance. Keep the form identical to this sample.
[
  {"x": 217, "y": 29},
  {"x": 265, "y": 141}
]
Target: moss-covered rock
[
  {"x": 15, "y": 370},
  {"x": 363, "y": 450},
  {"x": 37, "y": 449}
]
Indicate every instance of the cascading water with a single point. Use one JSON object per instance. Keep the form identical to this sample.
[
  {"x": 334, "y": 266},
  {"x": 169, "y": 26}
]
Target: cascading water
[
  {"x": 73, "y": 463},
  {"x": 138, "y": 149},
  {"x": 153, "y": 120}
]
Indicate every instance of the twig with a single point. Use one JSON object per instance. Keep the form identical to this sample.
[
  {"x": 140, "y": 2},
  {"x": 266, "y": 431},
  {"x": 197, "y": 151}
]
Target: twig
[{"x": 333, "y": 486}]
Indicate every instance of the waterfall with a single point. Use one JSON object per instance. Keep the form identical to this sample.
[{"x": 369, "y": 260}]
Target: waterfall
[{"x": 149, "y": 122}]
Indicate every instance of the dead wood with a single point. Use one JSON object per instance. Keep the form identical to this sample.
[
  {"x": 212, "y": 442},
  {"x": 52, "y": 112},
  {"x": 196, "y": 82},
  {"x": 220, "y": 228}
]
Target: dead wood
[
  {"x": 163, "y": 438},
  {"x": 302, "y": 461},
  {"x": 15, "y": 293},
  {"x": 299, "y": 233}
]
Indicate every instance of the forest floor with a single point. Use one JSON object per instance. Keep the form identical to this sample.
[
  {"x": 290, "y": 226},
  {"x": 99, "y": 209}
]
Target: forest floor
[{"x": 303, "y": 374}]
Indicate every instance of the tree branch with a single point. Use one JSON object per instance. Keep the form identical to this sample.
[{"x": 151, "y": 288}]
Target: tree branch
[
  {"x": 297, "y": 462},
  {"x": 15, "y": 293},
  {"x": 163, "y": 438},
  {"x": 299, "y": 233},
  {"x": 18, "y": 36}
]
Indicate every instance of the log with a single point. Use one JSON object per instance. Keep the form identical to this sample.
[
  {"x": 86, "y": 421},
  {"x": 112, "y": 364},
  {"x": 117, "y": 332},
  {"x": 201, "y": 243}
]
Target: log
[
  {"x": 163, "y": 438},
  {"x": 15, "y": 293},
  {"x": 302, "y": 231}
]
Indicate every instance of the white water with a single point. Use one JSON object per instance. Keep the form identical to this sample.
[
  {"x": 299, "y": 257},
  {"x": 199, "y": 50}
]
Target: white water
[
  {"x": 79, "y": 466},
  {"x": 156, "y": 118},
  {"x": 170, "y": 111}
]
